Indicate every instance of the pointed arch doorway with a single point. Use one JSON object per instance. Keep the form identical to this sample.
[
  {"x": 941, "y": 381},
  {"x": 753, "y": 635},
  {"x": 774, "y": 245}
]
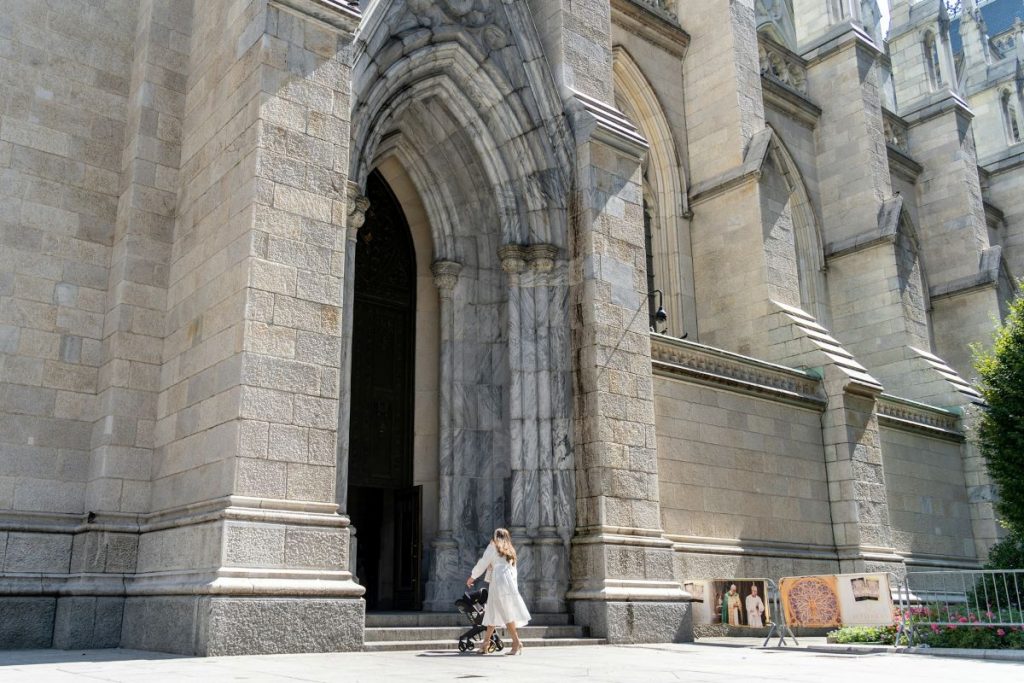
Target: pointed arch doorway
[{"x": 384, "y": 505}]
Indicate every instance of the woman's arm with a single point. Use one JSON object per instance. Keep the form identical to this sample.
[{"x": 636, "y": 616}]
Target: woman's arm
[{"x": 483, "y": 564}]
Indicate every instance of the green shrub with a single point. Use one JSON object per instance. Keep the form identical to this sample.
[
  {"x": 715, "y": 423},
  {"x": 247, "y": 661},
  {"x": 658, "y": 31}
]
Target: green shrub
[
  {"x": 1001, "y": 427},
  {"x": 865, "y": 634}
]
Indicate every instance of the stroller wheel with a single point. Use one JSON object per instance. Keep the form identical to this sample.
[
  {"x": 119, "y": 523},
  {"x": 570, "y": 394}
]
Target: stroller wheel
[
  {"x": 462, "y": 646},
  {"x": 500, "y": 645}
]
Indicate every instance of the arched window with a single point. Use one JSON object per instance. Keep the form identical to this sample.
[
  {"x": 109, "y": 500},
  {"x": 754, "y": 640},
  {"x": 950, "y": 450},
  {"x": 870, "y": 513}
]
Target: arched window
[
  {"x": 838, "y": 10},
  {"x": 931, "y": 60},
  {"x": 1011, "y": 124}
]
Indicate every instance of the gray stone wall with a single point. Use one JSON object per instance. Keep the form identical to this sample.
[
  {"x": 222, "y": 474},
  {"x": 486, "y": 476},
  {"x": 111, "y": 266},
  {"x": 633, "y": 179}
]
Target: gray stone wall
[
  {"x": 65, "y": 85},
  {"x": 928, "y": 504},
  {"x": 739, "y": 468}
]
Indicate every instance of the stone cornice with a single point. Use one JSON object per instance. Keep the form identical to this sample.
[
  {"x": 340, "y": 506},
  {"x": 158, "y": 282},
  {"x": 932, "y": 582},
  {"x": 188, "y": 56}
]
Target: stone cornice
[
  {"x": 647, "y": 19},
  {"x": 690, "y": 361},
  {"x": 905, "y": 414},
  {"x": 934, "y": 104},
  {"x": 338, "y": 14},
  {"x": 1010, "y": 159},
  {"x": 746, "y": 172},
  {"x": 227, "y": 508},
  {"x": 786, "y": 100}
]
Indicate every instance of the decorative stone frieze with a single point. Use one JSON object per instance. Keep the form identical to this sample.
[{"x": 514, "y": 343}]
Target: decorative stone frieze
[
  {"x": 687, "y": 359},
  {"x": 782, "y": 66},
  {"x": 895, "y": 131},
  {"x": 906, "y": 414}
]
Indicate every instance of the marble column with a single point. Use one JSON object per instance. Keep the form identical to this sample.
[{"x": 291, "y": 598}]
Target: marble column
[
  {"x": 550, "y": 553},
  {"x": 445, "y": 583},
  {"x": 357, "y": 206}
]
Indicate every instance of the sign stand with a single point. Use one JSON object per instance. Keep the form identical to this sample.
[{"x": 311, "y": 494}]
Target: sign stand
[{"x": 780, "y": 616}]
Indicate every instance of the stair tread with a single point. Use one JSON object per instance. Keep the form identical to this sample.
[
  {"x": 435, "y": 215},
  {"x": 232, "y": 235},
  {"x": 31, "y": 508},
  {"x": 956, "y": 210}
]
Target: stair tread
[
  {"x": 379, "y": 634},
  {"x": 452, "y": 644}
]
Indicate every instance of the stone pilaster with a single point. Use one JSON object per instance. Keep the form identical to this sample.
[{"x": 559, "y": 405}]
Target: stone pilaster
[
  {"x": 244, "y": 551},
  {"x": 355, "y": 218},
  {"x": 446, "y": 576},
  {"x": 622, "y": 583}
]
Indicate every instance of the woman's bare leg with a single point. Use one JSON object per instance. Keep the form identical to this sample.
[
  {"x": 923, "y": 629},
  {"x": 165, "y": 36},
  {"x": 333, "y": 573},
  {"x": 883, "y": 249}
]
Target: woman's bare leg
[
  {"x": 517, "y": 644},
  {"x": 486, "y": 645}
]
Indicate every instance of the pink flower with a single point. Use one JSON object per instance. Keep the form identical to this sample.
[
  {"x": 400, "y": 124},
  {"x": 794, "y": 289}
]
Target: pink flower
[
  {"x": 935, "y": 629},
  {"x": 963, "y": 620},
  {"x": 990, "y": 615},
  {"x": 1000, "y": 632}
]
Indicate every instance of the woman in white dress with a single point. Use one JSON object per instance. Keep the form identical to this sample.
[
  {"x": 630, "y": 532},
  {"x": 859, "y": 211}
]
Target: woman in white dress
[{"x": 505, "y": 607}]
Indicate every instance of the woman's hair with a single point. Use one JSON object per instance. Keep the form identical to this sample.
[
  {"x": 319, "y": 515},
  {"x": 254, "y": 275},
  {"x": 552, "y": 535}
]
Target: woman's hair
[{"x": 503, "y": 544}]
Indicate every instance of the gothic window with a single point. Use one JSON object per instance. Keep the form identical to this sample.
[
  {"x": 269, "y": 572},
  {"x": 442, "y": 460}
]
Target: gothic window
[
  {"x": 1011, "y": 123},
  {"x": 931, "y": 60},
  {"x": 912, "y": 282}
]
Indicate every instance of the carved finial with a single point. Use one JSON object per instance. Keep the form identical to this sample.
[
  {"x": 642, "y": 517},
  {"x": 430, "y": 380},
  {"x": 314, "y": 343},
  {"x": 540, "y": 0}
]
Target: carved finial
[
  {"x": 357, "y": 206},
  {"x": 446, "y": 275}
]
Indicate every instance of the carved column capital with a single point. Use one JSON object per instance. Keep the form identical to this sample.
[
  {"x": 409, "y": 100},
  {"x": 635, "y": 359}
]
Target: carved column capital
[
  {"x": 542, "y": 257},
  {"x": 513, "y": 258},
  {"x": 446, "y": 275},
  {"x": 357, "y": 206}
]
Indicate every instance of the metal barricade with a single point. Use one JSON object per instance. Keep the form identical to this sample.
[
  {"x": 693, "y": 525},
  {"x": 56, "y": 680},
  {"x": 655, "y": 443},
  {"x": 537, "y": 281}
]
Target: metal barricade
[
  {"x": 968, "y": 597},
  {"x": 779, "y": 623}
]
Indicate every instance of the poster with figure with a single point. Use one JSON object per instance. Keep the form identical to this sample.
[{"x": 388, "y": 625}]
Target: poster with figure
[{"x": 733, "y": 602}]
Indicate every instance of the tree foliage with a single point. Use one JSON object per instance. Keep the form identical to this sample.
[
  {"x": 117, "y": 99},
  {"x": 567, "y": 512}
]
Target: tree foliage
[{"x": 1001, "y": 427}]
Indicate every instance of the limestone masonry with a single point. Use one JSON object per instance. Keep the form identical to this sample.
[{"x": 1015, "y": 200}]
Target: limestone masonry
[{"x": 300, "y": 299}]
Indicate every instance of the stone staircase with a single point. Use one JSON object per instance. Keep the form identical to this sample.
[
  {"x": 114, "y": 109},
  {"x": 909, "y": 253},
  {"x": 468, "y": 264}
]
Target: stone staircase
[{"x": 417, "y": 631}]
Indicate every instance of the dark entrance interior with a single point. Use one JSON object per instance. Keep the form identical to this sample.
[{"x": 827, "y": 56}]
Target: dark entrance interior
[{"x": 382, "y": 502}]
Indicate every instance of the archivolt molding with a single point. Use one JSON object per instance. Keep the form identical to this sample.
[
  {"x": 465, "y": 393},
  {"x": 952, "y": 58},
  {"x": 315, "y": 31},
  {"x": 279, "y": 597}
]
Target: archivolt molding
[
  {"x": 481, "y": 60},
  {"x": 668, "y": 185}
]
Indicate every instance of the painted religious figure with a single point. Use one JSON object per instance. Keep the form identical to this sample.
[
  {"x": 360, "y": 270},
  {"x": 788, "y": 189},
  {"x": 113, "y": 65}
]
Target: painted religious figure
[
  {"x": 731, "y": 609},
  {"x": 755, "y": 608}
]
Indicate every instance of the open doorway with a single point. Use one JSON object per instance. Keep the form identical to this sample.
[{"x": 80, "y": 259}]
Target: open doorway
[{"x": 383, "y": 504}]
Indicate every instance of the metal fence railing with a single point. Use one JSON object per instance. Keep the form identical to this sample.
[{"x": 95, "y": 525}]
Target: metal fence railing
[
  {"x": 779, "y": 623},
  {"x": 937, "y": 599}
]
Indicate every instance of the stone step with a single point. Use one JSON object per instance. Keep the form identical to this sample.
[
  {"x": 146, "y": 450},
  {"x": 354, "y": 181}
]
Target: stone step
[
  {"x": 453, "y": 618},
  {"x": 426, "y": 645},
  {"x": 438, "y": 633}
]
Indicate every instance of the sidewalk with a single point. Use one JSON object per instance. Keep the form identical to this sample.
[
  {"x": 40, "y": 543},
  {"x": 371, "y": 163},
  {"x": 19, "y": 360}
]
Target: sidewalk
[{"x": 694, "y": 663}]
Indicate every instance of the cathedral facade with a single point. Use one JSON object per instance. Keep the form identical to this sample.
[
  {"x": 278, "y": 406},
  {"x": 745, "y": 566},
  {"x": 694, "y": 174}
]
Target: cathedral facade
[{"x": 300, "y": 299}]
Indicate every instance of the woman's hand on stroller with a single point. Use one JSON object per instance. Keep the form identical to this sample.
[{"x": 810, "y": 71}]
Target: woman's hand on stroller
[{"x": 469, "y": 582}]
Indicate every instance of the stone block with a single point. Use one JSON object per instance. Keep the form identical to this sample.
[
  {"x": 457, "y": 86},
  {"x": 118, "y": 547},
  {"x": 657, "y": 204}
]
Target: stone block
[
  {"x": 636, "y": 622},
  {"x": 26, "y": 622},
  {"x": 35, "y": 552},
  {"x": 88, "y": 622}
]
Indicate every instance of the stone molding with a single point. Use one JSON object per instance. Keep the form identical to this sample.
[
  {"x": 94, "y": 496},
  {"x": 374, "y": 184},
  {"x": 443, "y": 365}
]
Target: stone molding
[
  {"x": 888, "y": 226},
  {"x": 665, "y": 32},
  {"x": 986, "y": 277},
  {"x": 610, "y": 126},
  {"x": 901, "y": 413},
  {"x": 682, "y": 359},
  {"x": 789, "y": 102},
  {"x": 342, "y": 15},
  {"x": 751, "y": 548},
  {"x": 747, "y": 172}
]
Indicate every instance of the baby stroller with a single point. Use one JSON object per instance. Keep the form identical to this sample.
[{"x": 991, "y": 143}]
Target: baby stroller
[{"x": 472, "y": 605}]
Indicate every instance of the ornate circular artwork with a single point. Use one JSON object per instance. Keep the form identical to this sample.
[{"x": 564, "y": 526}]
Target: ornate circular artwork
[{"x": 814, "y": 603}]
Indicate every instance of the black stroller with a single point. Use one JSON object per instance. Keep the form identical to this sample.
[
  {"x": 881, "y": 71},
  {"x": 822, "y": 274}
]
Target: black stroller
[{"x": 472, "y": 605}]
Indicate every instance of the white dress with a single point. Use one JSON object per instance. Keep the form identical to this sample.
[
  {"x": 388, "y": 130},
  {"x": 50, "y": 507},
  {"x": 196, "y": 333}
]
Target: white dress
[{"x": 504, "y": 604}]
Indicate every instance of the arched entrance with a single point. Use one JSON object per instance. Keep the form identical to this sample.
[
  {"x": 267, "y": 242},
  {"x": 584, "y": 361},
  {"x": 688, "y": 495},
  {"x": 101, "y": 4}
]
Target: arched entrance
[{"x": 383, "y": 503}]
